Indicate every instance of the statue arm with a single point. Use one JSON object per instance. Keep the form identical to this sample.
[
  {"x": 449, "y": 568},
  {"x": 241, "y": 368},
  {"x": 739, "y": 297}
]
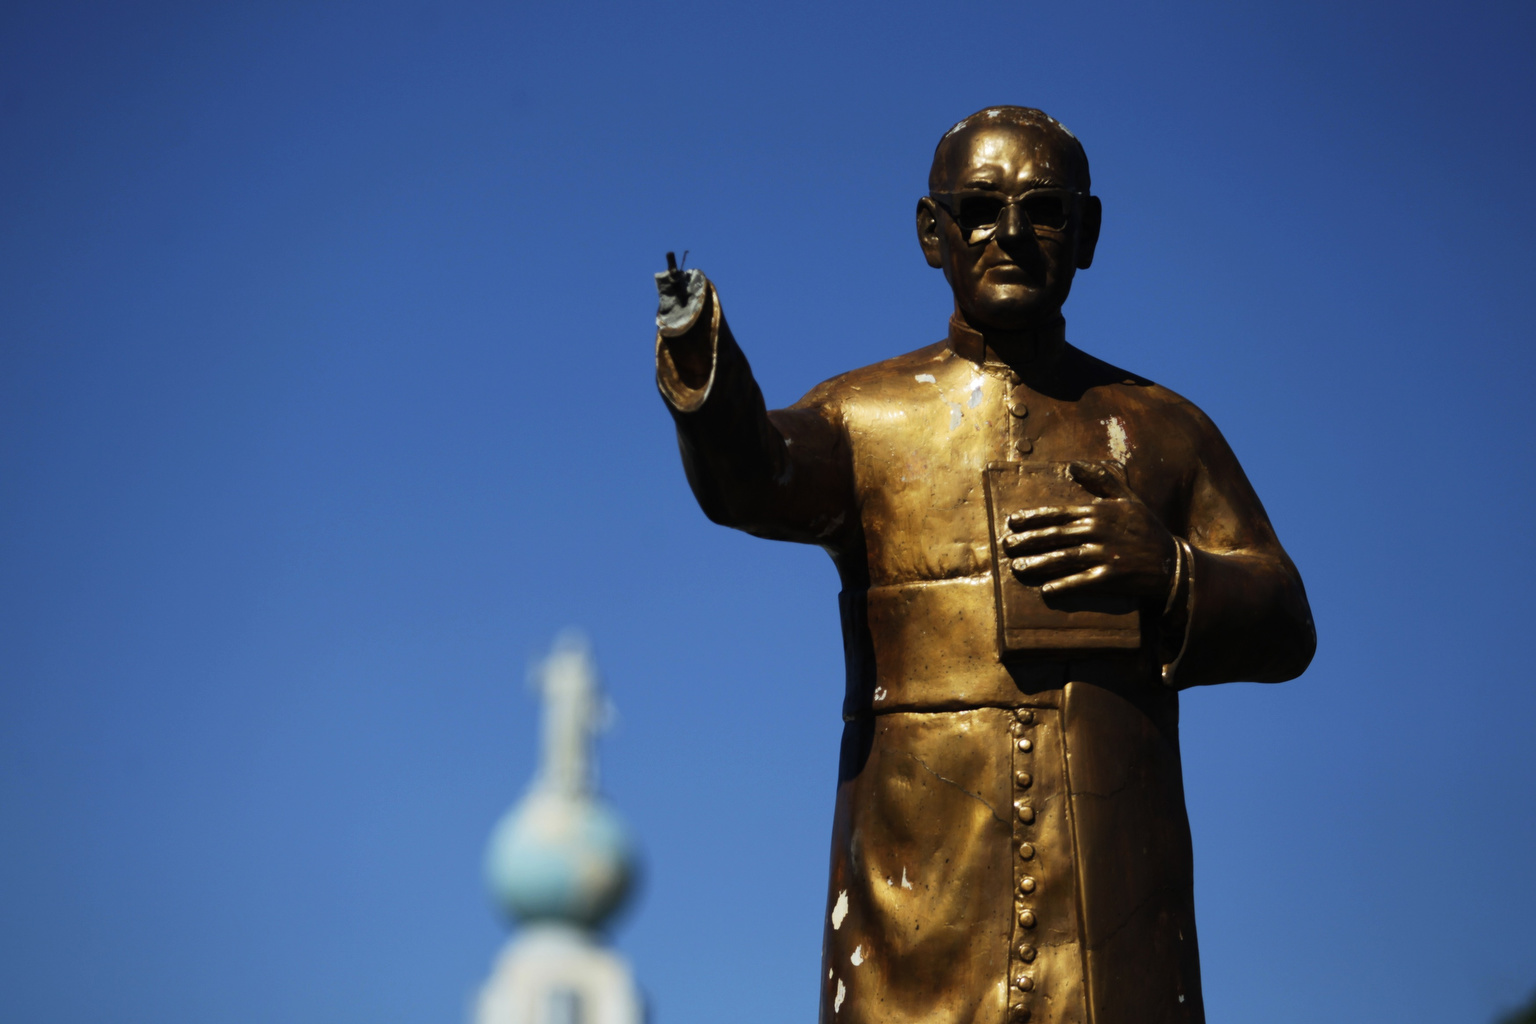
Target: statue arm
[
  {"x": 1247, "y": 611},
  {"x": 784, "y": 474}
]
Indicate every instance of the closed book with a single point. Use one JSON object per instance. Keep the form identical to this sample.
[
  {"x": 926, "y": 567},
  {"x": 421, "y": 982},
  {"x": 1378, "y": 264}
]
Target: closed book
[{"x": 1027, "y": 619}]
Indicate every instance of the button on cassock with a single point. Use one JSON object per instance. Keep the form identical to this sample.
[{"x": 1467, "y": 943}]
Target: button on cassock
[{"x": 1025, "y": 812}]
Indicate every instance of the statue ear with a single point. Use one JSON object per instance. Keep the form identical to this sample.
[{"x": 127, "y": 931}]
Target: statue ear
[
  {"x": 1088, "y": 232},
  {"x": 928, "y": 232}
]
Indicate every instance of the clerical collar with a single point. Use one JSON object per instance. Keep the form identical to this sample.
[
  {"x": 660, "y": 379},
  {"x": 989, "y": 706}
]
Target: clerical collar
[{"x": 1048, "y": 342}]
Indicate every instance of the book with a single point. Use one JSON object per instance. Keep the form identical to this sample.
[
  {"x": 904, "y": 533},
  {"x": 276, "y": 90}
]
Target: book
[{"x": 1028, "y": 620}]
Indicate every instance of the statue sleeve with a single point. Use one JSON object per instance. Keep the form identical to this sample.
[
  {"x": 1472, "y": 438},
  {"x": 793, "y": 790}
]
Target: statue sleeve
[
  {"x": 1247, "y": 613},
  {"x": 784, "y": 474}
]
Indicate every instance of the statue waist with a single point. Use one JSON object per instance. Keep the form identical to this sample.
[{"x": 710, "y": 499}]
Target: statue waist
[{"x": 932, "y": 645}]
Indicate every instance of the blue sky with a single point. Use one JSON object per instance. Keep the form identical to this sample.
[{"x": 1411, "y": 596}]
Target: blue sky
[{"x": 326, "y": 402}]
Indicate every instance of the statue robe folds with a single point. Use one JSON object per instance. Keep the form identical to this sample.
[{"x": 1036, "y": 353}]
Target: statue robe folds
[{"x": 1010, "y": 841}]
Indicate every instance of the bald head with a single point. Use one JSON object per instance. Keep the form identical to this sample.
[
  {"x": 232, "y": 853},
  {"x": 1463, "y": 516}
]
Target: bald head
[
  {"x": 1009, "y": 218},
  {"x": 1060, "y": 157}
]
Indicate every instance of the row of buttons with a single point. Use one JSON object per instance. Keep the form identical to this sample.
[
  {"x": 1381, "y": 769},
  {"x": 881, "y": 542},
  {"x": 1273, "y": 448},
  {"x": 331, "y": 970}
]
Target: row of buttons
[
  {"x": 1020, "y": 409},
  {"x": 1022, "y": 981}
]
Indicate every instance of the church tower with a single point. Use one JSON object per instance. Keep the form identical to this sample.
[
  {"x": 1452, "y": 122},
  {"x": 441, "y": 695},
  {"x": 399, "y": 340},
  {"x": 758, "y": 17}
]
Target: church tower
[{"x": 560, "y": 863}]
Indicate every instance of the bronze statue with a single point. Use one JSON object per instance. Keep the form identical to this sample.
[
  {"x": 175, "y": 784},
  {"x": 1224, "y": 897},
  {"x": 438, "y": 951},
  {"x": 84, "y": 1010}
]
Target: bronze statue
[{"x": 1037, "y": 551}]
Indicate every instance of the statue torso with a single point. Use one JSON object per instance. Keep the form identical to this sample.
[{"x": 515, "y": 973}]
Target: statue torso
[{"x": 970, "y": 881}]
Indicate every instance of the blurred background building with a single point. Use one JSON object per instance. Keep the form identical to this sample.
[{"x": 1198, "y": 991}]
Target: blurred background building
[{"x": 560, "y": 863}]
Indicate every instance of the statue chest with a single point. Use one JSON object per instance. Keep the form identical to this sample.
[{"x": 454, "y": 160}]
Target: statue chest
[{"x": 920, "y": 446}]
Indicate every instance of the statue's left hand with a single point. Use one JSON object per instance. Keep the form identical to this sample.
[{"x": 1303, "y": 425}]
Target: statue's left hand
[{"x": 1114, "y": 546}]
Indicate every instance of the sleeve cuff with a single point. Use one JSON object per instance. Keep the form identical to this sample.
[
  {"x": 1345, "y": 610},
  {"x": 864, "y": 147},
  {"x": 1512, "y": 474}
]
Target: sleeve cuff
[
  {"x": 1186, "y": 566},
  {"x": 669, "y": 381}
]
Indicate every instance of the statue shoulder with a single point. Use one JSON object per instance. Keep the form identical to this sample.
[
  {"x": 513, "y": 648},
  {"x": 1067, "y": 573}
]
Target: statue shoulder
[
  {"x": 1137, "y": 395},
  {"x": 1159, "y": 420},
  {"x": 879, "y": 380}
]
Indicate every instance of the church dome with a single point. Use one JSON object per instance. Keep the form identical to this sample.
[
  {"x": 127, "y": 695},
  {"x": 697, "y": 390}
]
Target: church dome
[
  {"x": 560, "y": 854},
  {"x": 556, "y": 857}
]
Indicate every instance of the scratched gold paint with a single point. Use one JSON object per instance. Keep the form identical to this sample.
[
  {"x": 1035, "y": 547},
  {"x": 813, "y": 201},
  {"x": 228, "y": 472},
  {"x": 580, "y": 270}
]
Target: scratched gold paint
[{"x": 1010, "y": 841}]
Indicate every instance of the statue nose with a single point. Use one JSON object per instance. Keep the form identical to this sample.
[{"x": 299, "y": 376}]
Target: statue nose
[
  {"x": 1012, "y": 224},
  {"x": 1016, "y": 235}
]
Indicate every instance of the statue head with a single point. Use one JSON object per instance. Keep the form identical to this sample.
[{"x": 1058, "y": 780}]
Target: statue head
[{"x": 1008, "y": 217}]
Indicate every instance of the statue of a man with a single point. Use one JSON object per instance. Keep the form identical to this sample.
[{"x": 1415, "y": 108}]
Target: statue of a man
[{"x": 1037, "y": 551}]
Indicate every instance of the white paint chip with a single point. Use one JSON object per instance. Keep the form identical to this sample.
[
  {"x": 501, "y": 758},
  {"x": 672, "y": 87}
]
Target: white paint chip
[
  {"x": 1119, "y": 443},
  {"x": 926, "y": 378},
  {"x": 858, "y": 956},
  {"x": 904, "y": 883},
  {"x": 840, "y": 910},
  {"x": 842, "y": 993}
]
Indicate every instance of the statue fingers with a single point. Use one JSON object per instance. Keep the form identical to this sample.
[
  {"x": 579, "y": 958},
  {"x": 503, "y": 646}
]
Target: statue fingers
[
  {"x": 1052, "y": 565},
  {"x": 1047, "y": 515},
  {"x": 1026, "y": 542},
  {"x": 1102, "y": 481},
  {"x": 1077, "y": 581}
]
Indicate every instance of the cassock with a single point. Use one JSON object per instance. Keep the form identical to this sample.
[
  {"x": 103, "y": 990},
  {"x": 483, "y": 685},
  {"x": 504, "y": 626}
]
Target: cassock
[{"x": 1010, "y": 841}]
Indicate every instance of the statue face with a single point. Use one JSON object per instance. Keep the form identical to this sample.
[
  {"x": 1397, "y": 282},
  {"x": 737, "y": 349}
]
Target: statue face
[{"x": 1013, "y": 273}]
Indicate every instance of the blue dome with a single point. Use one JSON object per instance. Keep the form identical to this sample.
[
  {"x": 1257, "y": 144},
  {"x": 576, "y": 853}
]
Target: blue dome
[{"x": 558, "y": 857}]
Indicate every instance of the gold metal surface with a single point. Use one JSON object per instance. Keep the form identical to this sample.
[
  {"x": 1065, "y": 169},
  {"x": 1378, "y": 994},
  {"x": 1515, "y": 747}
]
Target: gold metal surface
[{"x": 1010, "y": 841}]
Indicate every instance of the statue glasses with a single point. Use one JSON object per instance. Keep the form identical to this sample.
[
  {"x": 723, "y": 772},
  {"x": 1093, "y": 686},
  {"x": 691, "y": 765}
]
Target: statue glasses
[{"x": 978, "y": 211}]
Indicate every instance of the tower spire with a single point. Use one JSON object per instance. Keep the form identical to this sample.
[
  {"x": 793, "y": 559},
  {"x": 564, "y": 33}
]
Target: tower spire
[{"x": 573, "y": 714}]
